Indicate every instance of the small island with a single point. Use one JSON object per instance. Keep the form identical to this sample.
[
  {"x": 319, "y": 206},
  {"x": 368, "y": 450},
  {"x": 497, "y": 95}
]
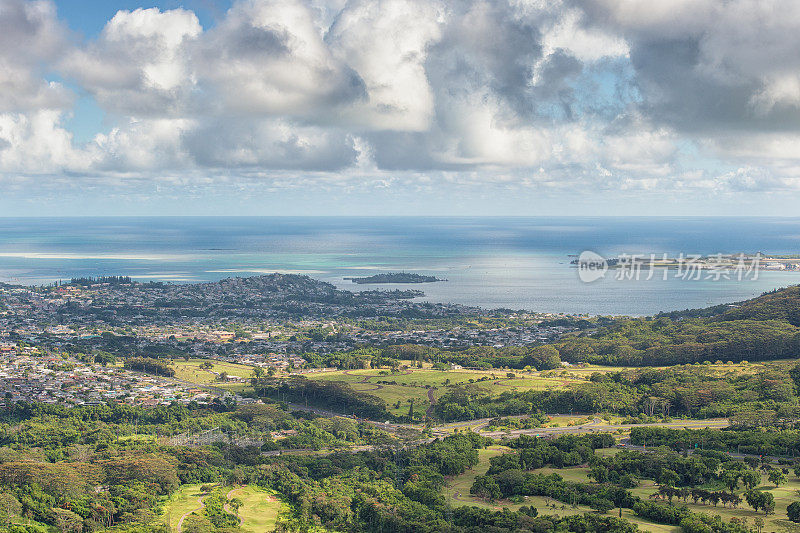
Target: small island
[{"x": 396, "y": 277}]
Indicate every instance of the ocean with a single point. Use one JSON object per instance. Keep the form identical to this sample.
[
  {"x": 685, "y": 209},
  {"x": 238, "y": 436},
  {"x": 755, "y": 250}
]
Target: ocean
[{"x": 516, "y": 263}]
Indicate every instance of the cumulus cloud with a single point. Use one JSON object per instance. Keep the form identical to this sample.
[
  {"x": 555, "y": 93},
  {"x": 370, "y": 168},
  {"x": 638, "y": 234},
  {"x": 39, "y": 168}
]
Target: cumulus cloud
[
  {"x": 36, "y": 142},
  {"x": 142, "y": 144},
  {"x": 387, "y": 42},
  {"x": 712, "y": 65},
  {"x": 268, "y": 56},
  {"x": 259, "y": 144},
  {"x": 30, "y": 38},
  {"x": 140, "y": 64},
  {"x": 564, "y": 93}
]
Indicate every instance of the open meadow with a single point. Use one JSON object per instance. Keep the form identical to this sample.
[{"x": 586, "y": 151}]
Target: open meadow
[
  {"x": 396, "y": 388},
  {"x": 424, "y": 384},
  {"x": 258, "y": 512},
  {"x": 185, "y": 500},
  {"x": 457, "y": 493},
  {"x": 775, "y": 522},
  {"x": 193, "y": 371}
]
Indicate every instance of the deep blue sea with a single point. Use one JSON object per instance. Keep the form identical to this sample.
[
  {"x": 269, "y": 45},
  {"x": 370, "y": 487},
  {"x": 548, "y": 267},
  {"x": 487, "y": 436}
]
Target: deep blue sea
[{"x": 518, "y": 263}]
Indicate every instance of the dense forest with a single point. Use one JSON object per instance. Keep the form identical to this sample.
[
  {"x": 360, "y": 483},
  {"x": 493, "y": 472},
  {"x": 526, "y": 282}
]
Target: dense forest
[
  {"x": 80, "y": 469},
  {"x": 752, "y": 394},
  {"x": 766, "y": 328},
  {"x": 761, "y": 396},
  {"x": 763, "y": 329},
  {"x": 680, "y": 478}
]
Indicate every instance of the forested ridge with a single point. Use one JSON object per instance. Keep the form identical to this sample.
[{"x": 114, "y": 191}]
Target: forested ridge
[
  {"x": 81, "y": 470},
  {"x": 765, "y": 328},
  {"x": 762, "y": 329}
]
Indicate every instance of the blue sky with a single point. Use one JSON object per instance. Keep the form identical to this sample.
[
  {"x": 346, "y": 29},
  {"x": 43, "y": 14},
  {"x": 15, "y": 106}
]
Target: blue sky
[
  {"x": 88, "y": 17},
  {"x": 399, "y": 107}
]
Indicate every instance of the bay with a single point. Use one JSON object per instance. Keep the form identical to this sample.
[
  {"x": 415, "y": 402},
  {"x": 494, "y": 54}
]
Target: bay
[{"x": 517, "y": 263}]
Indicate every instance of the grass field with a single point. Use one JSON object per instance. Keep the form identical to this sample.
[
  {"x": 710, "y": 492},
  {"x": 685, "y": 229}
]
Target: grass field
[
  {"x": 258, "y": 513},
  {"x": 190, "y": 370},
  {"x": 457, "y": 493},
  {"x": 415, "y": 383},
  {"x": 777, "y": 522},
  {"x": 185, "y": 499},
  {"x": 584, "y": 371},
  {"x": 456, "y": 489},
  {"x": 260, "y": 509},
  {"x": 391, "y": 394},
  {"x": 575, "y": 473},
  {"x": 402, "y": 386}
]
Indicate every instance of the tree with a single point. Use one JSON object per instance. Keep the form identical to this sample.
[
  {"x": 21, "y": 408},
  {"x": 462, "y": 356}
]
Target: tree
[
  {"x": 776, "y": 477},
  {"x": 669, "y": 477},
  {"x": 731, "y": 480},
  {"x": 794, "y": 373},
  {"x": 753, "y": 499},
  {"x": 235, "y": 504},
  {"x": 9, "y": 506},
  {"x": 793, "y": 512},
  {"x": 768, "y": 503},
  {"x": 601, "y": 505},
  {"x": 67, "y": 521},
  {"x": 714, "y": 498},
  {"x": 485, "y": 487},
  {"x": 104, "y": 358},
  {"x": 197, "y": 524},
  {"x": 751, "y": 479},
  {"x": 760, "y": 500},
  {"x": 599, "y": 473},
  {"x": 543, "y": 358}
]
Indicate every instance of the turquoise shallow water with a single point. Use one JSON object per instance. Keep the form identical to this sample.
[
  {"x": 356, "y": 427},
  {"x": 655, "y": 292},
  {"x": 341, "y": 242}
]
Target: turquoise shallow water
[{"x": 519, "y": 263}]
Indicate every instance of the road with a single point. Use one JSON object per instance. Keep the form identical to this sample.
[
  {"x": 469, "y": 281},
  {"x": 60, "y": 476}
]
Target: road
[
  {"x": 598, "y": 426},
  {"x": 183, "y": 517},
  {"x": 432, "y": 400},
  {"x": 227, "y": 506},
  {"x": 626, "y": 442}
]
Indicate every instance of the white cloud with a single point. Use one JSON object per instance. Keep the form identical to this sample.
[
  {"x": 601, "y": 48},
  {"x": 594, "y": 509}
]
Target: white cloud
[
  {"x": 627, "y": 94},
  {"x": 585, "y": 44},
  {"x": 147, "y": 144},
  {"x": 30, "y": 37},
  {"x": 386, "y": 42},
  {"x": 268, "y": 144},
  {"x": 140, "y": 64},
  {"x": 36, "y": 142},
  {"x": 269, "y": 57}
]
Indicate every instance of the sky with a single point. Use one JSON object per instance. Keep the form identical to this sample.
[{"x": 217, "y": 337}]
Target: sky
[{"x": 399, "y": 107}]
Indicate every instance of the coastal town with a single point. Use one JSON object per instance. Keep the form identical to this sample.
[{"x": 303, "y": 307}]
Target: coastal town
[
  {"x": 50, "y": 337},
  {"x": 27, "y": 375}
]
